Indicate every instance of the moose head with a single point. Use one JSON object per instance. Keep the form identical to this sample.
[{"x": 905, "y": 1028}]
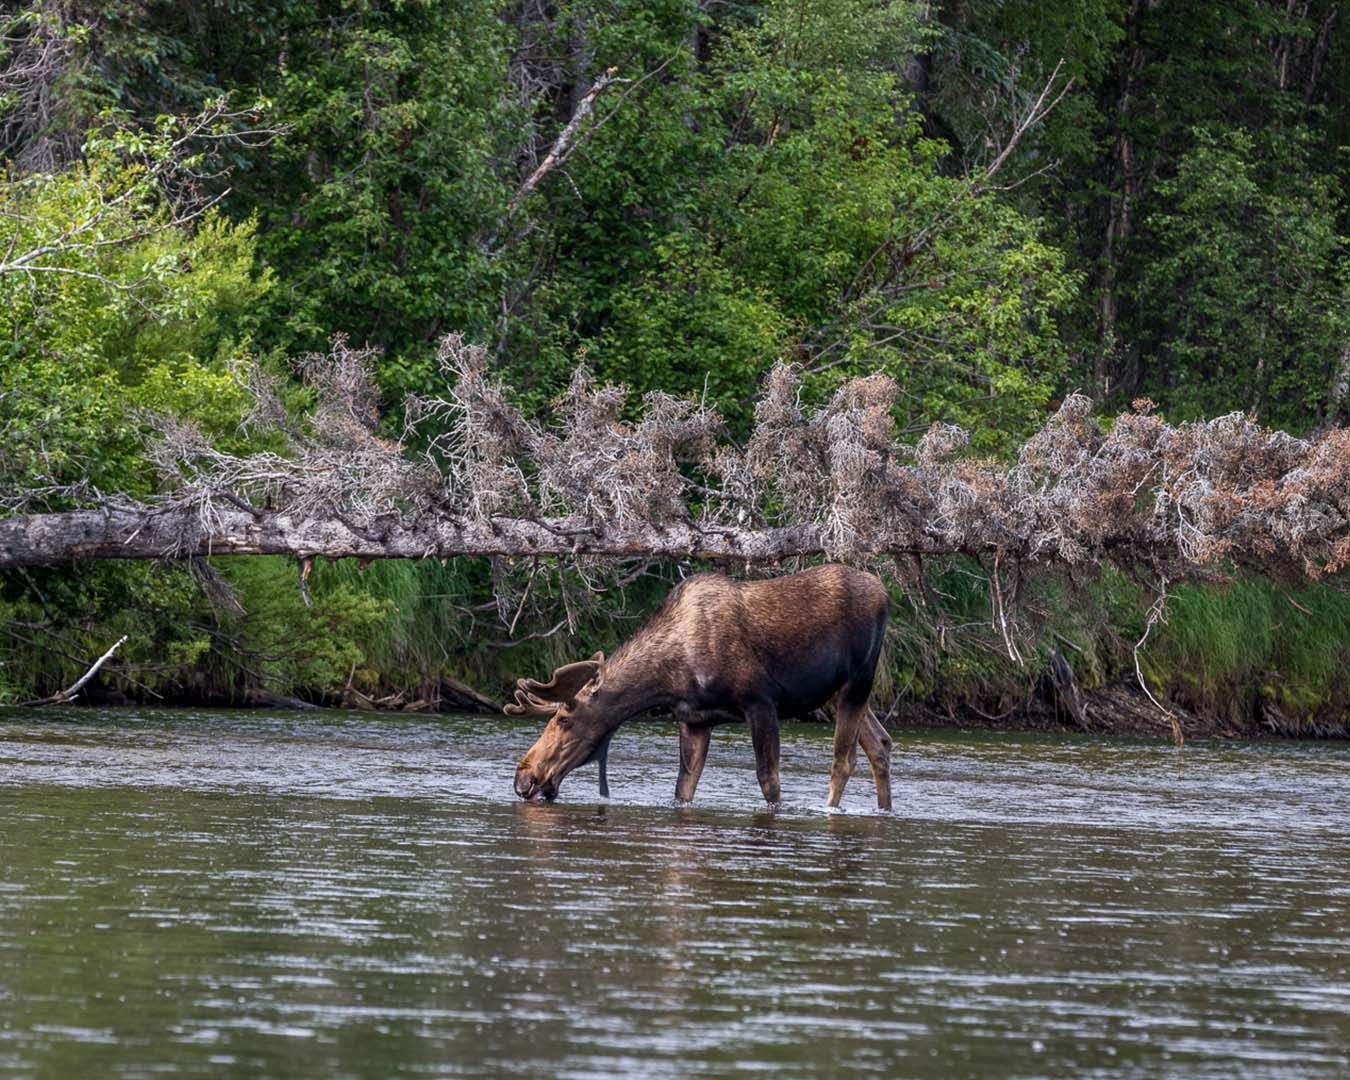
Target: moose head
[{"x": 576, "y": 733}]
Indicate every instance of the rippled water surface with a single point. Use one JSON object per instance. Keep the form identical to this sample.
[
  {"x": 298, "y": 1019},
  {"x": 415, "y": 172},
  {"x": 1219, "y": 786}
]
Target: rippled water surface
[{"x": 329, "y": 895}]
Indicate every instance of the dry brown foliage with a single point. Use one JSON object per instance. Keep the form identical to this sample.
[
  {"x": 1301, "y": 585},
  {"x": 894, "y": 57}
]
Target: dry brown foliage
[{"x": 1178, "y": 499}]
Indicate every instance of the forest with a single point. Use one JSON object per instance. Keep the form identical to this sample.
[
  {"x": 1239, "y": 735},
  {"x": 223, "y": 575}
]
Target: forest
[{"x": 328, "y": 236}]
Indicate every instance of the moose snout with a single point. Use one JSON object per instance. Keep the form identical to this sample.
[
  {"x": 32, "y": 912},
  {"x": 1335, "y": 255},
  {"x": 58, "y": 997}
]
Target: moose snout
[{"x": 531, "y": 788}]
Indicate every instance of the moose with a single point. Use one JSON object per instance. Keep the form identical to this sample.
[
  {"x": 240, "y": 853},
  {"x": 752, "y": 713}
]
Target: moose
[{"x": 719, "y": 650}]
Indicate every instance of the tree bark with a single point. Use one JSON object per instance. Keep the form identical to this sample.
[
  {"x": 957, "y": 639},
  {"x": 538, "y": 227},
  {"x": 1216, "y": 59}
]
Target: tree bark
[
  {"x": 149, "y": 533},
  {"x": 1338, "y": 399}
]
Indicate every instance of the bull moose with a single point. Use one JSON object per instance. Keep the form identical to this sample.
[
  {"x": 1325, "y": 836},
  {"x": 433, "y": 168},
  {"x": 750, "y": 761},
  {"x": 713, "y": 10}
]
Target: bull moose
[{"x": 719, "y": 650}]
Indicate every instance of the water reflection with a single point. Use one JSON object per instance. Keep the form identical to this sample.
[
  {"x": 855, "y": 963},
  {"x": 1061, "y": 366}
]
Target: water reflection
[{"x": 233, "y": 894}]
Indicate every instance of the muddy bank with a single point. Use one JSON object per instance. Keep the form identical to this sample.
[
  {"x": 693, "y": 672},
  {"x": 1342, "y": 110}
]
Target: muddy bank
[
  {"x": 444, "y": 695},
  {"x": 1119, "y": 709}
]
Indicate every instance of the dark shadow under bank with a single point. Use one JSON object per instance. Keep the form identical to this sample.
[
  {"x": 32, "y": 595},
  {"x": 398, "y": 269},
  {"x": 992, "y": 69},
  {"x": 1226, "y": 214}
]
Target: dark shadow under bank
[{"x": 1119, "y": 709}]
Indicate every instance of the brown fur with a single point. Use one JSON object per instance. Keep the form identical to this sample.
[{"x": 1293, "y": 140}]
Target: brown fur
[{"x": 719, "y": 650}]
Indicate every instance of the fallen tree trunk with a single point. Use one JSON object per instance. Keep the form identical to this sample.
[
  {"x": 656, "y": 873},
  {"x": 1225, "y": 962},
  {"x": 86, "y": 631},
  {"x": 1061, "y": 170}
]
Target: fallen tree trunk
[
  {"x": 487, "y": 480},
  {"x": 157, "y": 533}
]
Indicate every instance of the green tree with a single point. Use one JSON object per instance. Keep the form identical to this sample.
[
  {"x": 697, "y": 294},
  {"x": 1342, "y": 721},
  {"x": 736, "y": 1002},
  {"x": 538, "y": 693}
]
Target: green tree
[
  {"x": 774, "y": 197},
  {"x": 117, "y": 293},
  {"x": 1246, "y": 281},
  {"x": 375, "y": 208}
]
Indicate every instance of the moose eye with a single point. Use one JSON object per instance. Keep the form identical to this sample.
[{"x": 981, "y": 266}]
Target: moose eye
[{"x": 564, "y": 722}]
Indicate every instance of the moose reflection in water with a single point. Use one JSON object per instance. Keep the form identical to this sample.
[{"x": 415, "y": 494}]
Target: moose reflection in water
[{"x": 719, "y": 650}]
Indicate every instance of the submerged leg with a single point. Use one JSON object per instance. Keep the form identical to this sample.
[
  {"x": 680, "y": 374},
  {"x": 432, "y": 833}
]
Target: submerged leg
[
  {"x": 876, "y": 744},
  {"x": 693, "y": 756},
  {"x": 848, "y": 720},
  {"x": 763, "y": 720},
  {"x": 604, "y": 771}
]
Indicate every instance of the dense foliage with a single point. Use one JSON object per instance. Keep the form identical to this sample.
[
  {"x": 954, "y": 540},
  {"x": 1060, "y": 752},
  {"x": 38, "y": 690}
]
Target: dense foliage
[{"x": 849, "y": 185}]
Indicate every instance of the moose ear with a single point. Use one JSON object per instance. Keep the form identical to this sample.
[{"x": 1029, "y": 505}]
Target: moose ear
[{"x": 598, "y": 680}]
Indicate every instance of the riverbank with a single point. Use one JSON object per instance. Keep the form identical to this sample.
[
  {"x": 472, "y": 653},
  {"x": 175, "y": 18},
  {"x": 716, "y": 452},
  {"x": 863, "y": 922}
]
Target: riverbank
[
  {"x": 1243, "y": 659},
  {"x": 1121, "y": 709}
]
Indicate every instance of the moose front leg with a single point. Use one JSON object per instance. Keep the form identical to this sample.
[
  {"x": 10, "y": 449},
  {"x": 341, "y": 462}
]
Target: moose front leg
[
  {"x": 763, "y": 721},
  {"x": 693, "y": 756}
]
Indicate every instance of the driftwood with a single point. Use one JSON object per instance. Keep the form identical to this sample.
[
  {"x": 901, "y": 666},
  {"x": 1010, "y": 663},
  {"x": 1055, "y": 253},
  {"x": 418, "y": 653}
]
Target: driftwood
[
  {"x": 456, "y": 696},
  {"x": 266, "y": 699},
  {"x": 70, "y": 692},
  {"x": 445, "y": 694}
]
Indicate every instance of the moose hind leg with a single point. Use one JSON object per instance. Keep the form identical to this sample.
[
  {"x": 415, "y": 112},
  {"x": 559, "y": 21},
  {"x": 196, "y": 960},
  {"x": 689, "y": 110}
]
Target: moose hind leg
[
  {"x": 763, "y": 720},
  {"x": 693, "y": 756},
  {"x": 876, "y": 744},
  {"x": 848, "y": 722}
]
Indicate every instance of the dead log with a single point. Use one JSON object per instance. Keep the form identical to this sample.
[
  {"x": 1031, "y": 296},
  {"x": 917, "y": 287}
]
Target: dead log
[
  {"x": 148, "y": 532},
  {"x": 266, "y": 699},
  {"x": 455, "y": 696},
  {"x": 1174, "y": 500}
]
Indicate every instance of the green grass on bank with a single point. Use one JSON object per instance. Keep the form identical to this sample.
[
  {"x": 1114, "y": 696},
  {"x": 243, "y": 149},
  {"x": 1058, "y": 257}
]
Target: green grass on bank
[
  {"x": 1258, "y": 654},
  {"x": 1254, "y": 647}
]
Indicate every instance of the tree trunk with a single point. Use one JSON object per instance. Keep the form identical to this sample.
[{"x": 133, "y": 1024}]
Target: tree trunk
[
  {"x": 147, "y": 533},
  {"x": 1338, "y": 400},
  {"x": 918, "y": 66},
  {"x": 1122, "y": 181}
]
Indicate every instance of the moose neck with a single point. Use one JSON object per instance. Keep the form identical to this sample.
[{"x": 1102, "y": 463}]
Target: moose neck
[{"x": 631, "y": 686}]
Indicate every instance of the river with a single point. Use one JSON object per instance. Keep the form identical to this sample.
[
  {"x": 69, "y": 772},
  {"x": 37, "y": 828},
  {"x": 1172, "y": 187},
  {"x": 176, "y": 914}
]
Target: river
[{"x": 210, "y": 893}]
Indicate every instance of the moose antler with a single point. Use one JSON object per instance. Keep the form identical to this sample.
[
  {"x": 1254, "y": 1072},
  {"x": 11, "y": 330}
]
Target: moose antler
[
  {"x": 527, "y": 704},
  {"x": 541, "y": 699}
]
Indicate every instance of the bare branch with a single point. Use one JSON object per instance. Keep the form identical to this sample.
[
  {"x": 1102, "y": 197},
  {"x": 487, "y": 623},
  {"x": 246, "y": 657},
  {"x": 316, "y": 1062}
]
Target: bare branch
[
  {"x": 1155, "y": 615},
  {"x": 566, "y": 141},
  {"x": 1042, "y": 107},
  {"x": 72, "y": 691}
]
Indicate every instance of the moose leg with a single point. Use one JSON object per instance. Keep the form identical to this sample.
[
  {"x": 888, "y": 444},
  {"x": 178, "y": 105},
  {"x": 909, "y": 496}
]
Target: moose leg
[
  {"x": 602, "y": 758},
  {"x": 693, "y": 756},
  {"x": 876, "y": 744},
  {"x": 848, "y": 721},
  {"x": 763, "y": 720}
]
